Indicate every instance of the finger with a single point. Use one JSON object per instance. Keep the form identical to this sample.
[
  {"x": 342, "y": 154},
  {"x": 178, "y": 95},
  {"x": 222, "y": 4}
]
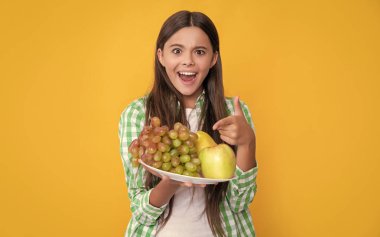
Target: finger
[
  {"x": 228, "y": 133},
  {"x": 155, "y": 173},
  {"x": 187, "y": 184},
  {"x": 147, "y": 168},
  {"x": 226, "y": 128},
  {"x": 238, "y": 109},
  {"x": 223, "y": 122},
  {"x": 228, "y": 140}
]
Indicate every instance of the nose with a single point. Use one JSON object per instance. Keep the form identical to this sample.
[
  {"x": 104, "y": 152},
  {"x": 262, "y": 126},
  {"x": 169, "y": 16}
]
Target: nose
[{"x": 188, "y": 59}]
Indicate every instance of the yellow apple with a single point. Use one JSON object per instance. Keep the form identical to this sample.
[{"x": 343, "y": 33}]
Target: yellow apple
[
  {"x": 204, "y": 140},
  {"x": 217, "y": 161}
]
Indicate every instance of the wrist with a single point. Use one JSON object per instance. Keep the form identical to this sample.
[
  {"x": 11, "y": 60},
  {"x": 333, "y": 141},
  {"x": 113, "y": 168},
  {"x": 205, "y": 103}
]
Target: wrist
[
  {"x": 249, "y": 147},
  {"x": 246, "y": 156}
]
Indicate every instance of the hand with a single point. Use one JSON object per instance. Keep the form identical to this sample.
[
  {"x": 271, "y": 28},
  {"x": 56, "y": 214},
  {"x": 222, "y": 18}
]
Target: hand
[
  {"x": 235, "y": 129},
  {"x": 171, "y": 181}
]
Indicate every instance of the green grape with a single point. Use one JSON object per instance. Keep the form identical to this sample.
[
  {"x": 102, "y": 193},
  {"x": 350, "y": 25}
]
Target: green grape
[
  {"x": 193, "y": 137},
  {"x": 157, "y": 164},
  {"x": 179, "y": 169},
  {"x": 183, "y": 129},
  {"x": 193, "y": 150},
  {"x": 183, "y": 149},
  {"x": 184, "y": 158},
  {"x": 166, "y": 157},
  {"x": 166, "y": 166},
  {"x": 176, "y": 143},
  {"x": 175, "y": 161},
  {"x": 196, "y": 161},
  {"x": 190, "y": 166},
  {"x": 174, "y": 152},
  {"x": 167, "y": 140},
  {"x": 177, "y": 126},
  {"x": 157, "y": 156},
  {"x": 173, "y": 134},
  {"x": 187, "y": 173},
  {"x": 196, "y": 174},
  {"x": 183, "y": 135},
  {"x": 189, "y": 143},
  {"x": 172, "y": 170}
]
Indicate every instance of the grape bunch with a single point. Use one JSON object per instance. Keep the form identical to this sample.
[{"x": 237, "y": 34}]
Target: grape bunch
[{"x": 169, "y": 150}]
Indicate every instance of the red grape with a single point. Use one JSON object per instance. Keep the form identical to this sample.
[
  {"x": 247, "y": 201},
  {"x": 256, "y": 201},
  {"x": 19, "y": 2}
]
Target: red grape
[
  {"x": 155, "y": 122},
  {"x": 156, "y": 139}
]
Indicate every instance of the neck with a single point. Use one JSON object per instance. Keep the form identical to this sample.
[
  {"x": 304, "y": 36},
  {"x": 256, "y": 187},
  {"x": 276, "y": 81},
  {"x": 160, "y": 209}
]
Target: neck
[
  {"x": 189, "y": 103},
  {"x": 190, "y": 100}
]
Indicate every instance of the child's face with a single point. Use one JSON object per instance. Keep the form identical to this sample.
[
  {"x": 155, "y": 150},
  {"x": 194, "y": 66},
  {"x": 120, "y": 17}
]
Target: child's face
[{"x": 187, "y": 57}]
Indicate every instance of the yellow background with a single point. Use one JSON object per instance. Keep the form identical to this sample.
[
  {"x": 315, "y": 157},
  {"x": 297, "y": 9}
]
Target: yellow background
[{"x": 309, "y": 71}]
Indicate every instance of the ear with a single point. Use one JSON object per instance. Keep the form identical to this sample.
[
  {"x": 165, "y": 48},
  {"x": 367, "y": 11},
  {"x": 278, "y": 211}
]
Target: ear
[
  {"x": 160, "y": 57},
  {"x": 214, "y": 59}
]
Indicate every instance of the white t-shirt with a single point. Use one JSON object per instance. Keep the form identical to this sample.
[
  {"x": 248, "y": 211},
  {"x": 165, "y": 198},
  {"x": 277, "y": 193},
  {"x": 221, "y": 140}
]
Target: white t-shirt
[{"x": 188, "y": 218}]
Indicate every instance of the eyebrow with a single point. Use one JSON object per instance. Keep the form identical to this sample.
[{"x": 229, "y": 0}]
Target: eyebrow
[{"x": 181, "y": 46}]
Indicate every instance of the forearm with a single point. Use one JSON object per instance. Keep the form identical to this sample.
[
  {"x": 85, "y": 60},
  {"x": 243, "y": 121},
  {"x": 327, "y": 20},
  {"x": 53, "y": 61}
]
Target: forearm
[
  {"x": 242, "y": 189},
  {"x": 246, "y": 156},
  {"x": 162, "y": 193}
]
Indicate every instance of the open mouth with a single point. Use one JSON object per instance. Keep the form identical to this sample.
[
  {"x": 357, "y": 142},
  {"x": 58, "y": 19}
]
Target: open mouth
[{"x": 187, "y": 76}]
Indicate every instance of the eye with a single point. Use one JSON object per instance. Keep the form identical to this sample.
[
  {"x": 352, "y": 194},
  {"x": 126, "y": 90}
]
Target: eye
[
  {"x": 176, "y": 51},
  {"x": 200, "y": 51}
]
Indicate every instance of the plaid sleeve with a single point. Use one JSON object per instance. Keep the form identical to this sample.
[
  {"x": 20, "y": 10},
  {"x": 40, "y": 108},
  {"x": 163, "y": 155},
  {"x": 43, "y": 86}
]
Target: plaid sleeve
[
  {"x": 131, "y": 123},
  {"x": 242, "y": 188}
]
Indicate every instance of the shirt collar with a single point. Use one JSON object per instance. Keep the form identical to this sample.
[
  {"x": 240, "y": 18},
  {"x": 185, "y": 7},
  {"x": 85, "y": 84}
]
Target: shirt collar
[{"x": 200, "y": 100}]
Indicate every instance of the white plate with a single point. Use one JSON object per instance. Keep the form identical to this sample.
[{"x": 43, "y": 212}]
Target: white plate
[{"x": 184, "y": 178}]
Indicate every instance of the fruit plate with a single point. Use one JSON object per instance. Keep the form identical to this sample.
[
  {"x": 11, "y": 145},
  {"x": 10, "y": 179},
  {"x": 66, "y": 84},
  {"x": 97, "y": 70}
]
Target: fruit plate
[{"x": 184, "y": 178}]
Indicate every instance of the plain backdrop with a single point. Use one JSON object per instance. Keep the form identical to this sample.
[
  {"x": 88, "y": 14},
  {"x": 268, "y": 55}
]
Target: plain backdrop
[{"x": 308, "y": 70}]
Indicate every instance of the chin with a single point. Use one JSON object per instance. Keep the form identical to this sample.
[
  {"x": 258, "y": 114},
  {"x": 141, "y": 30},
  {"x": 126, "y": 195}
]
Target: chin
[{"x": 187, "y": 93}]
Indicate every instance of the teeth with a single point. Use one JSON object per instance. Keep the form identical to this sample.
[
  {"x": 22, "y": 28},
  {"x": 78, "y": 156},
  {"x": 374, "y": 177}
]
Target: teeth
[{"x": 187, "y": 73}]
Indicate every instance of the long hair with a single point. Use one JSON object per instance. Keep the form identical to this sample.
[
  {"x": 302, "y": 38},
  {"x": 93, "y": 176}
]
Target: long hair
[{"x": 166, "y": 102}]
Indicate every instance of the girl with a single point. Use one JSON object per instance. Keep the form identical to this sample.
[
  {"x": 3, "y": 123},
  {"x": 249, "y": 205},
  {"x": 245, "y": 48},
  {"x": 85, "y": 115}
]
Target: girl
[{"x": 188, "y": 88}]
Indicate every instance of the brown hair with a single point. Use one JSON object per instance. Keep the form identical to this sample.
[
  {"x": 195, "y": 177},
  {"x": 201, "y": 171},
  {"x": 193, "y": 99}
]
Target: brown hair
[{"x": 166, "y": 102}]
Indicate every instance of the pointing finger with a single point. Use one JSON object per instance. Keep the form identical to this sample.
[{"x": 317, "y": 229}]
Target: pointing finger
[
  {"x": 221, "y": 123},
  {"x": 238, "y": 110}
]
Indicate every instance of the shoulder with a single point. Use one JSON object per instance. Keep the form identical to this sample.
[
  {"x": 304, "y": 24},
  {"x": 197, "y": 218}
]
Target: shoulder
[
  {"x": 135, "y": 110},
  {"x": 231, "y": 107}
]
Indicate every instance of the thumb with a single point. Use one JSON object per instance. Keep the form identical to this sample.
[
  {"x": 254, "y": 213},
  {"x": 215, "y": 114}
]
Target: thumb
[{"x": 238, "y": 110}]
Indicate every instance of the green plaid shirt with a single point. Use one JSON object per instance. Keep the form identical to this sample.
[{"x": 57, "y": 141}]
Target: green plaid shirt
[{"x": 237, "y": 220}]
